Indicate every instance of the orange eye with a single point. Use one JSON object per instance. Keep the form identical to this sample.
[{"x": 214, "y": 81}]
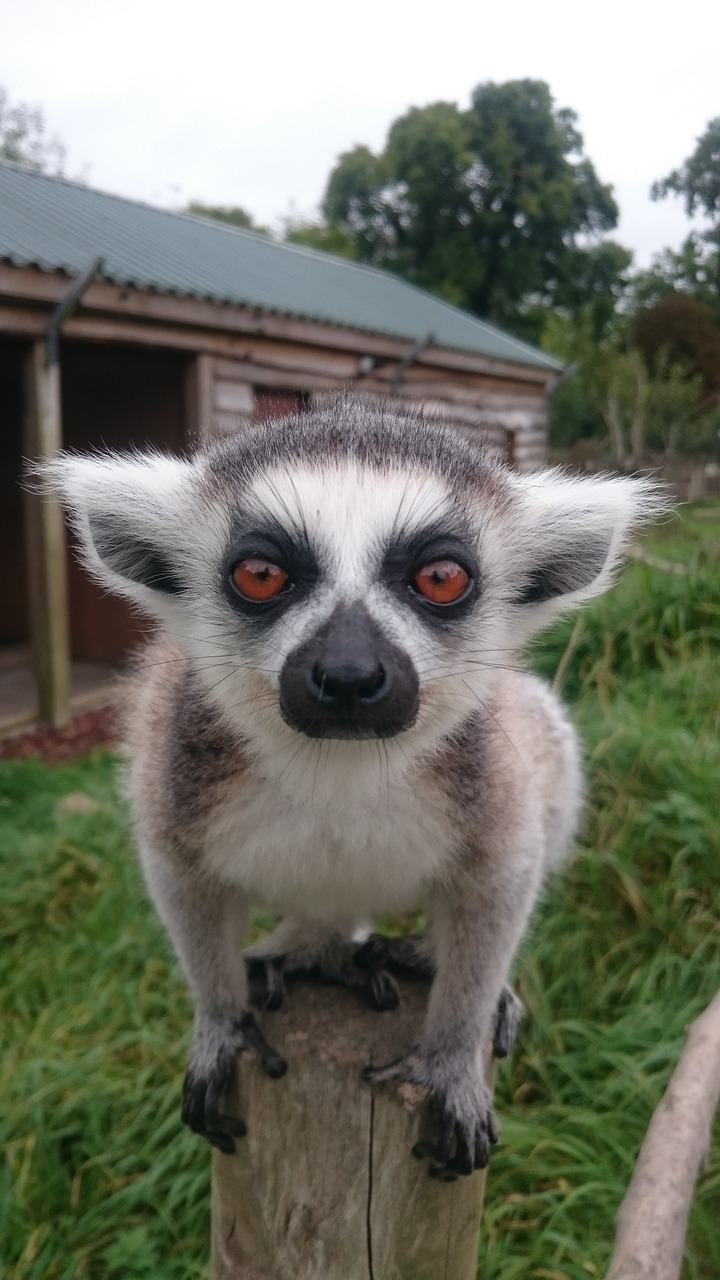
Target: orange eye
[
  {"x": 442, "y": 582},
  {"x": 258, "y": 579}
]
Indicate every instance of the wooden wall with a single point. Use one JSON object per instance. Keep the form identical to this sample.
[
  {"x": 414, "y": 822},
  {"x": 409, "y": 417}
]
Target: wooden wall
[
  {"x": 511, "y": 416},
  {"x": 14, "y": 597},
  {"x": 115, "y": 398}
]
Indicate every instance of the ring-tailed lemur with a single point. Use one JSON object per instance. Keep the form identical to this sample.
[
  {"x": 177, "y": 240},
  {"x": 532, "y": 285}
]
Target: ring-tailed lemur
[{"x": 333, "y": 721}]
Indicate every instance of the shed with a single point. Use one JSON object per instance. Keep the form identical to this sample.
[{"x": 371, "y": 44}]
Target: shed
[{"x": 126, "y": 325}]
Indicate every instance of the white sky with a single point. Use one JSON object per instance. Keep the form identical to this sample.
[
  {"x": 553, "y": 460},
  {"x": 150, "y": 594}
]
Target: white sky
[{"x": 250, "y": 103}]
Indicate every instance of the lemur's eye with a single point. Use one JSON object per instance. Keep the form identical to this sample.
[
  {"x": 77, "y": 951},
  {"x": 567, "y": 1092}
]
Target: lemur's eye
[
  {"x": 259, "y": 579},
  {"x": 442, "y": 581}
]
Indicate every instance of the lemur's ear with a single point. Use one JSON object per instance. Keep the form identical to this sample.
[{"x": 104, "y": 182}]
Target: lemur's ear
[
  {"x": 132, "y": 515},
  {"x": 571, "y": 533}
]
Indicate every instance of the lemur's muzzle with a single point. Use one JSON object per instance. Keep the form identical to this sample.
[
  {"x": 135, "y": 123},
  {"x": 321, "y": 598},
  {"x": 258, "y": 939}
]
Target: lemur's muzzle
[{"x": 349, "y": 680}]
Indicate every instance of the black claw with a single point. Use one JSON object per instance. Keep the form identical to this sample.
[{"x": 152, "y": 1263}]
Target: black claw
[
  {"x": 221, "y": 1140},
  {"x": 503, "y": 1035},
  {"x": 275, "y": 987},
  {"x": 270, "y": 1061},
  {"x": 382, "y": 991},
  {"x": 462, "y": 1162},
  {"x": 268, "y": 971}
]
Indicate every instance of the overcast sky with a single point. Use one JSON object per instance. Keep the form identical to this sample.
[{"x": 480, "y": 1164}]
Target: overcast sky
[{"x": 251, "y": 103}]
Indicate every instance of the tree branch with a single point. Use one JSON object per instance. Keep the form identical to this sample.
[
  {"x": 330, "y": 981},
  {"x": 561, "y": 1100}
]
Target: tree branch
[{"x": 652, "y": 1220}]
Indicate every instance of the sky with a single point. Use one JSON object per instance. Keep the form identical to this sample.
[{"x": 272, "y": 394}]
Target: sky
[{"x": 251, "y": 103}]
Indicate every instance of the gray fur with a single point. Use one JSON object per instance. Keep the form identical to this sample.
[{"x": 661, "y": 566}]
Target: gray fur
[{"x": 460, "y": 797}]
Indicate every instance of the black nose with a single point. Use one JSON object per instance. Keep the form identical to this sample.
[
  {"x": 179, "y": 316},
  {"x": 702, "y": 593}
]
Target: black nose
[
  {"x": 344, "y": 684},
  {"x": 349, "y": 680}
]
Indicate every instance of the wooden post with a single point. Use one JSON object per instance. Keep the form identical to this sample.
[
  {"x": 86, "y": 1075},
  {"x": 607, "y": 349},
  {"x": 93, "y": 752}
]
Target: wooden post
[
  {"x": 45, "y": 536},
  {"x": 199, "y": 397},
  {"x": 324, "y": 1186}
]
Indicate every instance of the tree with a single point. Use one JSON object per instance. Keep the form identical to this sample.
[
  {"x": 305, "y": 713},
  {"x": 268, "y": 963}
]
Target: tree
[
  {"x": 494, "y": 208},
  {"x": 24, "y": 139},
  {"x": 314, "y": 234},
  {"x": 646, "y": 407},
  {"x": 697, "y": 180},
  {"x": 683, "y": 332},
  {"x": 693, "y": 269},
  {"x": 234, "y": 215}
]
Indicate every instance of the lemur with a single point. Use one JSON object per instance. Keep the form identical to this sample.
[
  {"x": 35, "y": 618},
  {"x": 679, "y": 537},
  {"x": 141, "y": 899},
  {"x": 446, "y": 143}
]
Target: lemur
[{"x": 334, "y": 721}]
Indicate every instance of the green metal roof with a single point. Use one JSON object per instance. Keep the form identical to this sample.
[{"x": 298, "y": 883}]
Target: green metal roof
[{"x": 57, "y": 225}]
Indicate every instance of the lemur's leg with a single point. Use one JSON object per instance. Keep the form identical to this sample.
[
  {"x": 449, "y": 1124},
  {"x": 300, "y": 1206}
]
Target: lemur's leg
[
  {"x": 413, "y": 956},
  {"x": 477, "y": 924},
  {"x": 299, "y": 947},
  {"x": 206, "y": 920}
]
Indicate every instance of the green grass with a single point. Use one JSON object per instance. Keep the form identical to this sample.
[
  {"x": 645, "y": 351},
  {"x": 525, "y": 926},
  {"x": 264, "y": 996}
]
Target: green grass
[{"x": 99, "y": 1179}]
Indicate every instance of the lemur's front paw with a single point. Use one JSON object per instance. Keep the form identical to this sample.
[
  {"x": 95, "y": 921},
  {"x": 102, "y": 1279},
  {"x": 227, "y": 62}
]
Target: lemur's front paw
[
  {"x": 333, "y": 960},
  {"x": 462, "y": 1108},
  {"x": 210, "y": 1072},
  {"x": 266, "y": 973}
]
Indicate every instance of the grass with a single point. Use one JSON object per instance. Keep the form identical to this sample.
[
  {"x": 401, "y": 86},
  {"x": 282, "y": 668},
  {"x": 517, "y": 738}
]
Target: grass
[{"x": 99, "y": 1179}]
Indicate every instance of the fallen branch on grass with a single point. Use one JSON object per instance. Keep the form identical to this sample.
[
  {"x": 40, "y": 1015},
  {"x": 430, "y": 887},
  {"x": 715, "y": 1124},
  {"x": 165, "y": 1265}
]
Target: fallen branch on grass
[
  {"x": 664, "y": 566},
  {"x": 652, "y": 1220}
]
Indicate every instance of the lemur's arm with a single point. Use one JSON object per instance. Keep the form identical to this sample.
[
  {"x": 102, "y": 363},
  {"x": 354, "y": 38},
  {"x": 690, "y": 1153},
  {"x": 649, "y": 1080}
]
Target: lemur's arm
[
  {"x": 477, "y": 920},
  {"x": 206, "y": 921}
]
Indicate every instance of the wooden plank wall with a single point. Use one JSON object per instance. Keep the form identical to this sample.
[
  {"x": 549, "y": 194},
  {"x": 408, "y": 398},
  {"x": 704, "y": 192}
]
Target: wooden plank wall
[{"x": 512, "y": 418}]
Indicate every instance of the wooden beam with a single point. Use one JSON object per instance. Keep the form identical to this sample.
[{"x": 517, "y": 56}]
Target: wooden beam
[
  {"x": 119, "y": 300},
  {"x": 46, "y": 549},
  {"x": 199, "y": 406}
]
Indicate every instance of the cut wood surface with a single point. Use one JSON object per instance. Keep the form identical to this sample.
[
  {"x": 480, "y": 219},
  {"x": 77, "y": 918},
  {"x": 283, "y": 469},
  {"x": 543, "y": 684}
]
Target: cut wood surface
[
  {"x": 652, "y": 1221},
  {"x": 324, "y": 1186}
]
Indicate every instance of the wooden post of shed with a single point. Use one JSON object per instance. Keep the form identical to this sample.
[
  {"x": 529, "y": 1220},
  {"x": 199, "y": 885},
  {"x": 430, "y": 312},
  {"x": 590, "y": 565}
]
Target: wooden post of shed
[
  {"x": 45, "y": 526},
  {"x": 45, "y": 538},
  {"x": 324, "y": 1185}
]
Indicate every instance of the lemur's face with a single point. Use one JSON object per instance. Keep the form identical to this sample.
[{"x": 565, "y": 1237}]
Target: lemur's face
[
  {"x": 357, "y": 572},
  {"x": 351, "y": 586}
]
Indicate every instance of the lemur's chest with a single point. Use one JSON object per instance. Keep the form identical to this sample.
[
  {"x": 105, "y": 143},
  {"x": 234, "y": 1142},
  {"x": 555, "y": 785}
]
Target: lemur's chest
[{"x": 338, "y": 843}]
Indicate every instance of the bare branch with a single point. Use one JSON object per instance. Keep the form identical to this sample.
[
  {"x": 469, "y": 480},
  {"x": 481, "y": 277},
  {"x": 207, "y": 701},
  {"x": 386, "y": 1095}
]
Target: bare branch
[{"x": 652, "y": 1220}]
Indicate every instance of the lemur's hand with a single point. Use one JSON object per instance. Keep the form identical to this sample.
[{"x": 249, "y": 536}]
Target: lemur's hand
[
  {"x": 215, "y": 1048},
  {"x": 465, "y": 1120}
]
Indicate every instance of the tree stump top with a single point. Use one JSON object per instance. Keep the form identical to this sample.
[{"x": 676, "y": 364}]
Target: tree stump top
[{"x": 324, "y": 1186}]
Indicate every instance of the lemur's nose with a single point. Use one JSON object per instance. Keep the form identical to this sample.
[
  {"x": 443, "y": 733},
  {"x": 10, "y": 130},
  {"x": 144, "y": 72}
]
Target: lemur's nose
[{"x": 347, "y": 682}]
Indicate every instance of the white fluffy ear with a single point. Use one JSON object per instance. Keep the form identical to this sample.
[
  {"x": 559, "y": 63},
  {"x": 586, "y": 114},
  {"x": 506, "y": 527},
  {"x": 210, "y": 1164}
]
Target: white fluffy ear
[
  {"x": 571, "y": 533},
  {"x": 132, "y": 514}
]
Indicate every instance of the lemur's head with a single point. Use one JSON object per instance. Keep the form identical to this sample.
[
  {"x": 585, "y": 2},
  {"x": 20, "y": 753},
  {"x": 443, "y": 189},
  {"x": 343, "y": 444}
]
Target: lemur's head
[{"x": 353, "y": 572}]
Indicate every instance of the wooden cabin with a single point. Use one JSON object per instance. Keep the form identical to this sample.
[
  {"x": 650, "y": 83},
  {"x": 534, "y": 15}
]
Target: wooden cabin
[{"x": 124, "y": 325}]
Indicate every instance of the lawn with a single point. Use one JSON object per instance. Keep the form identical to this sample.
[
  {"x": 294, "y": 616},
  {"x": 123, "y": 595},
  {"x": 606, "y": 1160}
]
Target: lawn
[{"x": 100, "y": 1180}]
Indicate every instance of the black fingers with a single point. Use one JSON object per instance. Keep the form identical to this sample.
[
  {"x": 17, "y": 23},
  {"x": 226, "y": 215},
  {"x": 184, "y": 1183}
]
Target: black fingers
[
  {"x": 456, "y": 1150},
  {"x": 409, "y": 956},
  {"x": 201, "y": 1107},
  {"x": 382, "y": 991},
  {"x": 202, "y": 1093},
  {"x": 253, "y": 1038},
  {"x": 508, "y": 1014},
  {"x": 268, "y": 971}
]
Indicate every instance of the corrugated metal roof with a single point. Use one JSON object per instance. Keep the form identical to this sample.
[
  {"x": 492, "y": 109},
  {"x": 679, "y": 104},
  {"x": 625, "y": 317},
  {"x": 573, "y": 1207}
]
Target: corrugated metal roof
[{"x": 58, "y": 225}]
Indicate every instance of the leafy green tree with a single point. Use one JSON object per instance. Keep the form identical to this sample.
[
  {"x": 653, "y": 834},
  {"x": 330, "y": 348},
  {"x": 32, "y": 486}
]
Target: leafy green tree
[
  {"x": 639, "y": 407},
  {"x": 234, "y": 215},
  {"x": 697, "y": 181},
  {"x": 314, "y": 234},
  {"x": 692, "y": 269},
  {"x": 24, "y": 137},
  {"x": 684, "y": 332},
  {"x": 494, "y": 208}
]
